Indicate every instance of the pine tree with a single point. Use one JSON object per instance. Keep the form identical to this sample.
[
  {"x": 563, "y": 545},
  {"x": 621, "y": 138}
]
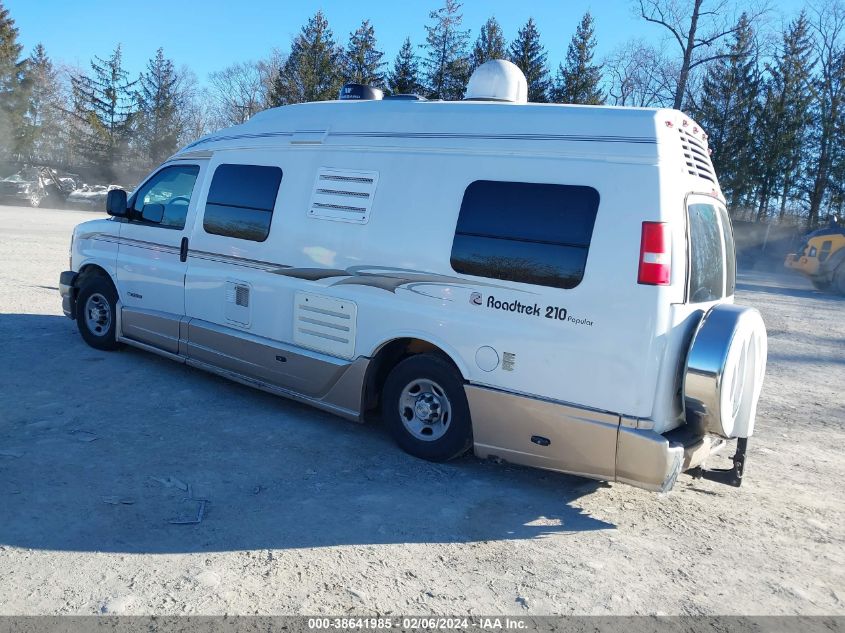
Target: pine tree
[
  {"x": 362, "y": 60},
  {"x": 159, "y": 123},
  {"x": 312, "y": 70},
  {"x": 104, "y": 102},
  {"x": 728, "y": 112},
  {"x": 43, "y": 115},
  {"x": 828, "y": 108},
  {"x": 785, "y": 117},
  {"x": 578, "y": 81},
  {"x": 14, "y": 90},
  {"x": 446, "y": 61},
  {"x": 489, "y": 45},
  {"x": 404, "y": 78},
  {"x": 528, "y": 53}
]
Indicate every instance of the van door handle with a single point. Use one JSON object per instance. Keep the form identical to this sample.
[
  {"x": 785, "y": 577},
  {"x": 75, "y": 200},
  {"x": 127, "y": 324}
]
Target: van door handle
[{"x": 183, "y": 250}]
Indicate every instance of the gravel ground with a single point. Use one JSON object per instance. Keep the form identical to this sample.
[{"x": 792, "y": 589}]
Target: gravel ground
[{"x": 308, "y": 513}]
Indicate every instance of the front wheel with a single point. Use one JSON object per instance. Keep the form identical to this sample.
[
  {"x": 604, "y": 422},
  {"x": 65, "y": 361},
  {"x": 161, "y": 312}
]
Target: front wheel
[
  {"x": 96, "y": 313},
  {"x": 425, "y": 407}
]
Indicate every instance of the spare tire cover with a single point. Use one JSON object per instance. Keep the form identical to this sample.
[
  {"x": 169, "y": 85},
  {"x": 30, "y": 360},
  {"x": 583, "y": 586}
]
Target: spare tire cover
[{"x": 724, "y": 371}]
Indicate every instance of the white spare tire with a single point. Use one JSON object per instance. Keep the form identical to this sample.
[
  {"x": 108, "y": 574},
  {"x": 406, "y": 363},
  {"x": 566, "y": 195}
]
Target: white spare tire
[{"x": 724, "y": 371}]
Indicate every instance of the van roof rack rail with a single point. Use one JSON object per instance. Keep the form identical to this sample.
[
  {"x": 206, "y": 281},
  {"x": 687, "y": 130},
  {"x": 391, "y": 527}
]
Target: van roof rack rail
[{"x": 404, "y": 98}]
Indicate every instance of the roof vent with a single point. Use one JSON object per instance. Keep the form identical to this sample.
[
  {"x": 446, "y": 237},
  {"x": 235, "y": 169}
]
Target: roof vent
[
  {"x": 497, "y": 80},
  {"x": 360, "y": 92}
]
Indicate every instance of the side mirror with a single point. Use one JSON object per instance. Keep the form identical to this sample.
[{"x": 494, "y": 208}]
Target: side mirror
[
  {"x": 116, "y": 203},
  {"x": 153, "y": 212}
]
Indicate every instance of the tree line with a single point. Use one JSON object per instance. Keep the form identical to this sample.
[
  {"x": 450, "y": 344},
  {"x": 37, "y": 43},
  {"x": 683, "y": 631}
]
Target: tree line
[{"x": 771, "y": 99}]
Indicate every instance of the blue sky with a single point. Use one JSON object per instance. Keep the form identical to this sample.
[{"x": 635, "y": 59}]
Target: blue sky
[{"x": 211, "y": 34}]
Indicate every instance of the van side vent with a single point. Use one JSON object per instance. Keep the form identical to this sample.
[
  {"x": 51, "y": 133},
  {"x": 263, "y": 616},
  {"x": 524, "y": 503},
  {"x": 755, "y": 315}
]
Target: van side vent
[
  {"x": 237, "y": 303},
  {"x": 242, "y": 296},
  {"x": 697, "y": 157},
  {"x": 325, "y": 324},
  {"x": 343, "y": 195}
]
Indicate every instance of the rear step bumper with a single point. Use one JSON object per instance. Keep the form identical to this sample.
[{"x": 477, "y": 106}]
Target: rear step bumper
[{"x": 652, "y": 461}]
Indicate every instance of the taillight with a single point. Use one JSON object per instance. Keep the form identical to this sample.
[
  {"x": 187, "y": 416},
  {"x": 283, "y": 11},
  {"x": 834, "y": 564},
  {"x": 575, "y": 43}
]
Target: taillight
[{"x": 655, "y": 254}]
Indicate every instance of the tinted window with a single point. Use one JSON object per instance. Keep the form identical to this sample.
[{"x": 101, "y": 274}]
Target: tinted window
[
  {"x": 706, "y": 261},
  {"x": 241, "y": 200},
  {"x": 172, "y": 188},
  {"x": 730, "y": 253},
  {"x": 525, "y": 232},
  {"x": 827, "y": 245}
]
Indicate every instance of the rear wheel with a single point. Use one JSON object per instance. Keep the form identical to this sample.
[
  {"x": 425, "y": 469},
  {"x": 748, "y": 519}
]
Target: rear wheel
[
  {"x": 96, "y": 313},
  {"x": 838, "y": 284},
  {"x": 425, "y": 407},
  {"x": 821, "y": 284}
]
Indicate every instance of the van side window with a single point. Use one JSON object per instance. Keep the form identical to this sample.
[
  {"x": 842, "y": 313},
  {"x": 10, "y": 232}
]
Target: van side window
[
  {"x": 170, "y": 191},
  {"x": 525, "y": 232},
  {"x": 730, "y": 253},
  {"x": 706, "y": 258},
  {"x": 241, "y": 200}
]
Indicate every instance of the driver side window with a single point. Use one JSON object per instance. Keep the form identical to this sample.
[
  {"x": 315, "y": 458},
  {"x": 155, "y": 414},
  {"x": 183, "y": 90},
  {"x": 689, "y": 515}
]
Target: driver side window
[{"x": 166, "y": 196}]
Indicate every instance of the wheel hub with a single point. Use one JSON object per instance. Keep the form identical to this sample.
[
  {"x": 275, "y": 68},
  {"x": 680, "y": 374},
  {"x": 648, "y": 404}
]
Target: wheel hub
[
  {"x": 427, "y": 408},
  {"x": 97, "y": 314}
]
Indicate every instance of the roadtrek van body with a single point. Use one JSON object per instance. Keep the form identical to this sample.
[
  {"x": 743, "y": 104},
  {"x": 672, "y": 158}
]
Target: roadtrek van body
[{"x": 551, "y": 285}]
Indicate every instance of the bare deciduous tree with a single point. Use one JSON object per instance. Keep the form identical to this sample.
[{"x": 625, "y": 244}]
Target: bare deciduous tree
[
  {"x": 238, "y": 92},
  {"x": 699, "y": 28},
  {"x": 639, "y": 75}
]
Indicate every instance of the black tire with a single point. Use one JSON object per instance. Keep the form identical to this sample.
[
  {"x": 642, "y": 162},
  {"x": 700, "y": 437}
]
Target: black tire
[
  {"x": 838, "y": 283},
  {"x": 104, "y": 295},
  {"x": 457, "y": 437},
  {"x": 820, "y": 284}
]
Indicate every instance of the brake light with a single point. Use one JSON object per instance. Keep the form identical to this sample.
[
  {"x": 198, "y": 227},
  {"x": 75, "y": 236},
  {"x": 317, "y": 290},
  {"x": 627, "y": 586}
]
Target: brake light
[{"x": 655, "y": 254}]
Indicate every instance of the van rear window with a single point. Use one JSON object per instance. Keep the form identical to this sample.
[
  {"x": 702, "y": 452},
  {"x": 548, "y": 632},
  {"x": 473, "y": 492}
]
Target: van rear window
[
  {"x": 526, "y": 232},
  {"x": 712, "y": 272},
  {"x": 241, "y": 200},
  {"x": 730, "y": 253}
]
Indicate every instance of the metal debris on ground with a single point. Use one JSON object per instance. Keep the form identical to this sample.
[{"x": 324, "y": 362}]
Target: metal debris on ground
[
  {"x": 199, "y": 517},
  {"x": 116, "y": 501},
  {"x": 84, "y": 436},
  {"x": 172, "y": 482}
]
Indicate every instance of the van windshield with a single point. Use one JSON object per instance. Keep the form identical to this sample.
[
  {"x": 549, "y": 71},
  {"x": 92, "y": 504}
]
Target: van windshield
[{"x": 712, "y": 271}]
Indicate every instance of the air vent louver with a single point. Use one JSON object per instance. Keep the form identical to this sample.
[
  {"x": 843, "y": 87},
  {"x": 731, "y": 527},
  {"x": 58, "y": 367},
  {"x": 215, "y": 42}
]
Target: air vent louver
[
  {"x": 325, "y": 324},
  {"x": 697, "y": 157},
  {"x": 343, "y": 195},
  {"x": 237, "y": 303}
]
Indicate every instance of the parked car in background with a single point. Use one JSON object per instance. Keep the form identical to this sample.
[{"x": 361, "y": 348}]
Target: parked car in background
[
  {"x": 90, "y": 197},
  {"x": 36, "y": 186}
]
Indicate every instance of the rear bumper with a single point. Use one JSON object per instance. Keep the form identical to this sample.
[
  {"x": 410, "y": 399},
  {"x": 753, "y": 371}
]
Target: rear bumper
[
  {"x": 564, "y": 438},
  {"x": 648, "y": 460},
  {"x": 67, "y": 289}
]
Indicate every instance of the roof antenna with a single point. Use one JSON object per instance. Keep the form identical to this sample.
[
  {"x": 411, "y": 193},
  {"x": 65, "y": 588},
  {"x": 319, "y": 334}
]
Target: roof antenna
[{"x": 497, "y": 80}]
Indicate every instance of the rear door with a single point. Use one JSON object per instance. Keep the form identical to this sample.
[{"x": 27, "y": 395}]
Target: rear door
[
  {"x": 710, "y": 278},
  {"x": 711, "y": 270},
  {"x": 151, "y": 260}
]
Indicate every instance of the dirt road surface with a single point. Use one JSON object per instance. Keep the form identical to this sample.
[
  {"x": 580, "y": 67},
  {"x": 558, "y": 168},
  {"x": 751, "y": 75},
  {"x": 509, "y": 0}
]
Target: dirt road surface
[{"x": 307, "y": 513}]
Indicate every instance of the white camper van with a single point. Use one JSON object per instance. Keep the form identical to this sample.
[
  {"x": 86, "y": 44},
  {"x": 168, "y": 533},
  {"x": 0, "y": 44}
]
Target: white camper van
[{"x": 550, "y": 285}]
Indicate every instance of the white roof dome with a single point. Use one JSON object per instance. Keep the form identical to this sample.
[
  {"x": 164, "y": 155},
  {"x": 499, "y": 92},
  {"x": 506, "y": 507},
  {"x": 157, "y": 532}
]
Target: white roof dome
[{"x": 498, "y": 80}]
